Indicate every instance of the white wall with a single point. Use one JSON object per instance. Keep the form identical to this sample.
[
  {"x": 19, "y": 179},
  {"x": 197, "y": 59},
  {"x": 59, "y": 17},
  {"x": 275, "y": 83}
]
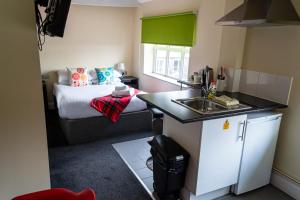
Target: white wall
[
  {"x": 94, "y": 36},
  {"x": 276, "y": 50},
  {"x": 233, "y": 41},
  {"x": 23, "y": 147}
]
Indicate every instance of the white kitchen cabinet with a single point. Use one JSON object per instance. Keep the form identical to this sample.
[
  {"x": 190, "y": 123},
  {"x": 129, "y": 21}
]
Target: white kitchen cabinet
[
  {"x": 258, "y": 151},
  {"x": 220, "y": 153},
  {"x": 215, "y": 148}
]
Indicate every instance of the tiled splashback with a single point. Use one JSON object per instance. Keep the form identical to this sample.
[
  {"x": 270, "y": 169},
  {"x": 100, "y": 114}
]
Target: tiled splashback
[
  {"x": 233, "y": 79},
  {"x": 267, "y": 86}
]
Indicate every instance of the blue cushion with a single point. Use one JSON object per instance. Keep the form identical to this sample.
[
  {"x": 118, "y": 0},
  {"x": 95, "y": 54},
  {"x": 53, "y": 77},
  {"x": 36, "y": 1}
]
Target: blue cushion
[{"x": 105, "y": 75}]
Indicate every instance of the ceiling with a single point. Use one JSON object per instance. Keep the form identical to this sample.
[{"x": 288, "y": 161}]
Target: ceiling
[{"x": 118, "y": 3}]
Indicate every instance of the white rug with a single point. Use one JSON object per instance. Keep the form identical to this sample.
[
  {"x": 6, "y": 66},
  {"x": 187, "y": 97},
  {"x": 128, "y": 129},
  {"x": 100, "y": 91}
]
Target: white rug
[{"x": 135, "y": 154}]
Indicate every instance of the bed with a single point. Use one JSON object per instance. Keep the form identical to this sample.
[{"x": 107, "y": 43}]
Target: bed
[{"x": 81, "y": 123}]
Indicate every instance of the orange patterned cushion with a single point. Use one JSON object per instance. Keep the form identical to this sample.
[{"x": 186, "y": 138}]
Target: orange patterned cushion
[{"x": 78, "y": 76}]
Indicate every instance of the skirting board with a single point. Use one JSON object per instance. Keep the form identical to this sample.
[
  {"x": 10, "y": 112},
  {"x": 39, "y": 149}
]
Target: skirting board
[{"x": 285, "y": 184}]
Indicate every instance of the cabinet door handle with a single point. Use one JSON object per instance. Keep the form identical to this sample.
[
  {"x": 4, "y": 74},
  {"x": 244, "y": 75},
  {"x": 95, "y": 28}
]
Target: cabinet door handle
[{"x": 242, "y": 130}]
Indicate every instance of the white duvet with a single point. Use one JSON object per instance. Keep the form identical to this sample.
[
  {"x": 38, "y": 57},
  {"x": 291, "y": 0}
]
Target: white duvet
[{"x": 74, "y": 102}]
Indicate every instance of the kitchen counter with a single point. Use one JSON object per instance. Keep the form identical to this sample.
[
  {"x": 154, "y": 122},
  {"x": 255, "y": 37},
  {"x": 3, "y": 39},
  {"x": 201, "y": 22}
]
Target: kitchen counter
[{"x": 163, "y": 101}]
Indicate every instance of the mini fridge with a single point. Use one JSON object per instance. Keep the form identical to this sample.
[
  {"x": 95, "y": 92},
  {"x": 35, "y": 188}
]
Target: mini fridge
[{"x": 258, "y": 151}]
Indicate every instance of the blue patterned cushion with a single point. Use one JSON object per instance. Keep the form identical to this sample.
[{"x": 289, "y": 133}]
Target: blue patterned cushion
[{"x": 105, "y": 75}]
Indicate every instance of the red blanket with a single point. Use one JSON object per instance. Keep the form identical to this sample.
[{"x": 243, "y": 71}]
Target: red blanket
[{"x": 112, "y": 107}]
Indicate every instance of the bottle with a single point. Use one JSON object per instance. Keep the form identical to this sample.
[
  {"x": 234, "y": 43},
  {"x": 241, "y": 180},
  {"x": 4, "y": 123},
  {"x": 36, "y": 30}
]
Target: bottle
[{"x": 212, "y": 90}]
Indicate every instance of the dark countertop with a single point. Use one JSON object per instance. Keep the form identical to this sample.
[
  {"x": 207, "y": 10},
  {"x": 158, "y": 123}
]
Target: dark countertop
[{"x": 163, "y": 102}]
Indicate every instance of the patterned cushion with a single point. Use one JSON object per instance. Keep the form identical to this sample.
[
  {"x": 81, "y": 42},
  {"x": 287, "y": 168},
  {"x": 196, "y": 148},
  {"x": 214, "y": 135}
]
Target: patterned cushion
[
  {"x": 78, "y": 77},
  {"x": 105, "y": 75}
]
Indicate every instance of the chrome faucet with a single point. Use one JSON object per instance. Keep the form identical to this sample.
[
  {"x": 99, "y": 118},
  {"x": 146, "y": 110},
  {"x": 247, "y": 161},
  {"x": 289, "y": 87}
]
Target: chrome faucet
[
  {"x": 205, "y": 87},
  {"x": 204, "y": 91}
]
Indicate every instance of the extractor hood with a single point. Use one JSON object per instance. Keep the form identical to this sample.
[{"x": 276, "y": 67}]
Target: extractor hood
[{"x": 262, "y": 13}]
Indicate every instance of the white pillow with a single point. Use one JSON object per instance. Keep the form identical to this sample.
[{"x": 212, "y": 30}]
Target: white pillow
[
  {"x": 117, "y": 80},
  {"x": 63, "y": 77},
  {"x": 93, "y": 79},
  {"x": 117, "y": 74}
]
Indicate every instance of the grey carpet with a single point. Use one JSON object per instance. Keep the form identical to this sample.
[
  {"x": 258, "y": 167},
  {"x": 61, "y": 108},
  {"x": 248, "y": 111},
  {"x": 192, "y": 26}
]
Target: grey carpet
[{"x": 96, "y": 165}]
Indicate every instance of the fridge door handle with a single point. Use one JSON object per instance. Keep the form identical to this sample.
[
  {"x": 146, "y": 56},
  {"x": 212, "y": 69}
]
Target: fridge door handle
[{"x": 242, "y": 130}]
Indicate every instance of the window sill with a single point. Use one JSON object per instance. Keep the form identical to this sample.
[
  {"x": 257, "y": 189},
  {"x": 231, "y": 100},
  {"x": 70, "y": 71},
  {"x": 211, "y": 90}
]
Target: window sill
[{"x": 163, "y": 78}]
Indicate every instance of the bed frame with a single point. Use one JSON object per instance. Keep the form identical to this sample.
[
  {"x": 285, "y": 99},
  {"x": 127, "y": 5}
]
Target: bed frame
[
  {"x": 83, "y": 130},
  {"x": 94, "y": 128}
]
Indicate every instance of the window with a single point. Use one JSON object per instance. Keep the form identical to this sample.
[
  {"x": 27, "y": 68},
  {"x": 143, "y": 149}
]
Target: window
[{"x": 168, "y": 61}]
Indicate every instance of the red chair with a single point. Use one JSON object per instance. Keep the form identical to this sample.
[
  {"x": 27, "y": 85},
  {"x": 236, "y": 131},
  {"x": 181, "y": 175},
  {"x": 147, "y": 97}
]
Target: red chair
[{"x": 59, "y": 194}]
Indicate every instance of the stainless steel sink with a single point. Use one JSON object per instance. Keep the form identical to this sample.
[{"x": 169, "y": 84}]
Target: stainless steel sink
[{"x": 205, "y": 106}]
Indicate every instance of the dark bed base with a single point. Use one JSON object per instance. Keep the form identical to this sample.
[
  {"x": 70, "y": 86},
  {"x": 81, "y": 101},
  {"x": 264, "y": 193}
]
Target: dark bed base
[{"x": 90, "y": 129}]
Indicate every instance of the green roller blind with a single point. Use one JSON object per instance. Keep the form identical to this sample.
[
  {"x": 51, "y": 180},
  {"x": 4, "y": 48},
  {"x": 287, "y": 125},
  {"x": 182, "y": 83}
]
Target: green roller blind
[{"x": 176, "y": 29}]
